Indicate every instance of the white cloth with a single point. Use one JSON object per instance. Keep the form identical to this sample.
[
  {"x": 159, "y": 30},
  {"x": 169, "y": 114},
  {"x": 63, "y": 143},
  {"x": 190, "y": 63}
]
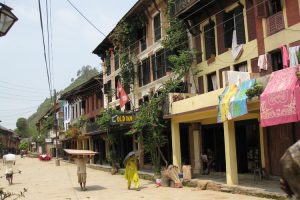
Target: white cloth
[
  {"x": 214, "y": 81},
  {"x": 81, "y": 165},
  {"x": 262, "y": 62},
  {"x": 9, "y": 157},
  {"x": 234, "y": 77},
  {"x": 293, "y": 54},
  {"x": 236, "y": 49}
]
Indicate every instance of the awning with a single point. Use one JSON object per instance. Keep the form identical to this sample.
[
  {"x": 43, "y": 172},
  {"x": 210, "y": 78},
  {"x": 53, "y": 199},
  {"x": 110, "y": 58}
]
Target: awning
[
  {"x": 233, "y": 101},
  {"x": 280, "y": 101}
]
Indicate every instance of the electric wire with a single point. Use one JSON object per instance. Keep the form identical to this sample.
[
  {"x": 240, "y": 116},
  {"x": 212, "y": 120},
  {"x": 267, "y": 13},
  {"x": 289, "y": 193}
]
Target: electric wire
[
  {"x": 86, "y": 18},
  {"x": 24, "y": 87},
  {"x": 48, "y": 41},
  {"x": 44, "y": 46},
  {"x": 26, "y": 108},
  {"x": 51, "y": 46}
]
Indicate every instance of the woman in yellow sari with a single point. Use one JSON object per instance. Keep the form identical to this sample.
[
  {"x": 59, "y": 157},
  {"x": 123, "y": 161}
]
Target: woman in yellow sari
[{"x": 131, "y": 172}]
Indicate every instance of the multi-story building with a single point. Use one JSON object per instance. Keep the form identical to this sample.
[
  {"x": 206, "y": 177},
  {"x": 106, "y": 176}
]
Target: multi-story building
[
  {"x": 232, "y": 35},
  {"x": 150, "y": 65},
  {"x": 85, "y": 104},
  {"x": 9, "y": 140}
]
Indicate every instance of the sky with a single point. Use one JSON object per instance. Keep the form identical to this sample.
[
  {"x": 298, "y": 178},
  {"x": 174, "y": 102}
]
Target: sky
[{"x": 23, "y": 76}]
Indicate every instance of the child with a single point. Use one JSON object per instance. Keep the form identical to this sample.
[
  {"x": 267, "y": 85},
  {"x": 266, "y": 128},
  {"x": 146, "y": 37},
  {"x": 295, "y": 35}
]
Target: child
[
  {"x": 81, "y": 161},
  {"x": 131, "y": 172}
]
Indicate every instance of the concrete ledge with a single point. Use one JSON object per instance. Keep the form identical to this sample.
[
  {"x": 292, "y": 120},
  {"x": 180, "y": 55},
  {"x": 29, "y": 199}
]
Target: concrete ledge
[{"x": 211, "y": 185}]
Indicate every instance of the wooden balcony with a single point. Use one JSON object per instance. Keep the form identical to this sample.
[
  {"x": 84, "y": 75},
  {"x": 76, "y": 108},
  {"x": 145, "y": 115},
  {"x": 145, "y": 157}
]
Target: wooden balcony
[
  {"x": 182, "y": 5},
  {"x": 275, "y": 23}
]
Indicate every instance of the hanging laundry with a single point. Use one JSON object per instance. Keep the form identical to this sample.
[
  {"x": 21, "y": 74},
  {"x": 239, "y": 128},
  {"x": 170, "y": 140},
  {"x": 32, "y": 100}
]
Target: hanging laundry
[
  {"x": 293, "y": 55},
  {"x": 262, "y": 62},
  {"x": 285, "y": 56},
  {"x": 236, "y": 49}
]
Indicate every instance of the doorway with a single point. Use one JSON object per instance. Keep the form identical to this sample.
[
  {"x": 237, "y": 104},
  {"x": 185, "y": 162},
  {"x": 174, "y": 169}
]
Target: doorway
[{"x": 247, "y": 145}]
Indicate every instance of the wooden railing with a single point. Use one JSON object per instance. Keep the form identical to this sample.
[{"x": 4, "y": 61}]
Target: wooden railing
[{"x": 275, "y": 23}]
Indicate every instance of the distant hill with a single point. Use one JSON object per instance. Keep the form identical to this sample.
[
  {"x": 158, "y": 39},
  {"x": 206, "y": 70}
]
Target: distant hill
[{"x": 83, "y": 75}]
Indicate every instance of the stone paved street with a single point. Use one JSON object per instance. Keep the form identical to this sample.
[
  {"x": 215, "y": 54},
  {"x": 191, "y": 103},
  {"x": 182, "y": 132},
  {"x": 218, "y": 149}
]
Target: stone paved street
[{"x": 46, "y": 181}]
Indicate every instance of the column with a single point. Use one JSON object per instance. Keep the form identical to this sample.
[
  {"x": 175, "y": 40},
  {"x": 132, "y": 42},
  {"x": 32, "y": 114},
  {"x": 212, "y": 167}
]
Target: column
[
  {"x": 141, "y": 149},
  {"x": 91, "y": 147},
  {"x": 197, "y": 149},
  {"x": 230, "y": 153},
  {"x": 176, "y": 144},
  {"x": 262, "y": 147}
]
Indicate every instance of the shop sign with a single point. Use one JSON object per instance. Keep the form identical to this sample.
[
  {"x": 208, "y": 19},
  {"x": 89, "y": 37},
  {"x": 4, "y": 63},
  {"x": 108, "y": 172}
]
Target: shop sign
[{"x": 127, "y": 118}]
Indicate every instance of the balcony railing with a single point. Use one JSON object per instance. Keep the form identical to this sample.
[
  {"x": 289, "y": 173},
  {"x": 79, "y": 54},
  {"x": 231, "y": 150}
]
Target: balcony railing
[
  {"x": 275, "y": 23},
  {"x": 90, "y": 127},
  {"x": 180, "y": 5},
  {"x": 173, "y": 97}
]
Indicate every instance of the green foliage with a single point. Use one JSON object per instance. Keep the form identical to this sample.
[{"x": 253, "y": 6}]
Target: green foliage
[
  {"x": 103, "y": 122},
  {"x": 298, "y": 56},
  {"x": 24, "y": 145},
  {"x": 127, "y": 31},
  {"x": 256, "y": 90},
  {"x": 127, "y": 70},
  {"x": 22, "y": 127}
]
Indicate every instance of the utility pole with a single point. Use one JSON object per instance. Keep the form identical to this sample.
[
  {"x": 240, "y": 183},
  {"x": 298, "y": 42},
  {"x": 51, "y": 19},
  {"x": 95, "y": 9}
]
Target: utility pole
[{"x": 55, "y": 129}]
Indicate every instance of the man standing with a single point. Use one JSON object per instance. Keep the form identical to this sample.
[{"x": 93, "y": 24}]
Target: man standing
[
  {"x": 8, "y": 161},
  {"x": 81, "y": 161}
]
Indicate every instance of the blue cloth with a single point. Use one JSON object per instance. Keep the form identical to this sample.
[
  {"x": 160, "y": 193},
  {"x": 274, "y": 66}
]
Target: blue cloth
[
  {"x": 238, "y": 103},
  {"x": 220, "y": 102}
]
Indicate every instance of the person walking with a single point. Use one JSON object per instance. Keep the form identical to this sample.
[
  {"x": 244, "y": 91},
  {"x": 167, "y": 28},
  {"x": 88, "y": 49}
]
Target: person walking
[
  {"x": 8, "y": 161},
  {"x": 131, "y": 172},
  {"x": 81, "y": 161}
]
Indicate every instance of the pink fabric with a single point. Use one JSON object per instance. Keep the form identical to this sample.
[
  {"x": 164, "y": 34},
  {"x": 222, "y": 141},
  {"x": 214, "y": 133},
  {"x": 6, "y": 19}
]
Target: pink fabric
[
  {"x": 280, "y": 101},
  {"x": 285, "y": 56}
]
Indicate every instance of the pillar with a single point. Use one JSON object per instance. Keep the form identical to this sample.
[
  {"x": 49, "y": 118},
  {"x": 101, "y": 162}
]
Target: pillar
[
  {"x": 262, "y": 147},
  {"x": 141, "y": 149},
  {"x": 197, "y": 149},
  {"x": 230, "y": 153},
  {"x": 91, "y": 147},
  {"x": 176, "y": 144}
]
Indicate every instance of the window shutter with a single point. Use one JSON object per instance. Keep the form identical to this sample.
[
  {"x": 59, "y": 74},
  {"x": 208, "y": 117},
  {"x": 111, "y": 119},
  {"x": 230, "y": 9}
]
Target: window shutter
[
  {"x": 154, "y": 67},
  {"x": 228, "y": 26},
  {"x": 261, "y": 8},
  {"x": 251, "y": 20},
  {"x": 239, "y": 24},
  {"x": 210, "y": 48},
  {"x": 168, "y": 63},
  {"x": 140, "y": 75},
  {"x": 220, "y": 34},
  {"x": 147, "y": 75}
]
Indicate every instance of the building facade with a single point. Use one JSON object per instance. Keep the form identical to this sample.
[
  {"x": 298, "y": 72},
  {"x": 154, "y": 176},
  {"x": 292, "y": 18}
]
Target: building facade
[{"x": 232, "y": 36}]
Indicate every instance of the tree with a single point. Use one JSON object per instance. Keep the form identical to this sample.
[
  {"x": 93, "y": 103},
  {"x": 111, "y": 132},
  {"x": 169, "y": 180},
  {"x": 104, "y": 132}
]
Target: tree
[{"x": 22, "y": 127}]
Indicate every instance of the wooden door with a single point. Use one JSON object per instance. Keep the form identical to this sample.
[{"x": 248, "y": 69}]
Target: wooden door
[{"x": 280, "y": 138}]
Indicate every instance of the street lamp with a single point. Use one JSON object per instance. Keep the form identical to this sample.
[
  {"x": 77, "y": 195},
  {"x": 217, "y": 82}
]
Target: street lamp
[{"x": 7, "y": 19}]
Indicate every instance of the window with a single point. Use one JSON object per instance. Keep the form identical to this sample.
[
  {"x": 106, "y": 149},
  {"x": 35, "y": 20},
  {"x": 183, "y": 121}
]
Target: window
[
  {"x": 76, "y": 112},
  {"x": 80, "y": 106},
  {"x": 212, "y": 83},
  {"x": 117, "y": 78},
  {"x": 144, "y": 72},
  {"x": 210, "y": 46},
  {"x": 274, "y": 7},
  {"x": 93, "y": 102},
  {"x": 157, "y": 27},
  {"x": 73, "y": 113},
  {"x": 146, "y": 98},
  {"x": 118, "y": 108},
  {"x": 143, "y": 38},
  {"x": 109, "y": 96},
  {"x": 66, "y": 112},
  {"x": 117, "y": 62},
  {"x": 87, "y": 105},
  {"x": 159, "y": 64},
  {"x": 276, "y": 59},
  {"x": 234, "y": 20},
  {"x": 241, "y": 67},
  {"x": 107, "y": 65}
]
